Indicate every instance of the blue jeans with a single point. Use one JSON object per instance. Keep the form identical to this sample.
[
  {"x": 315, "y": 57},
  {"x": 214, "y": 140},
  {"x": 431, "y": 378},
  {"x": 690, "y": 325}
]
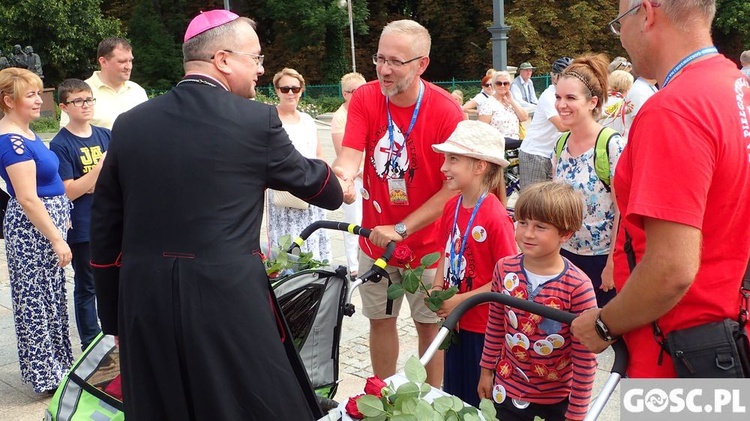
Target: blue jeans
[{"x": 84, "y": 294}]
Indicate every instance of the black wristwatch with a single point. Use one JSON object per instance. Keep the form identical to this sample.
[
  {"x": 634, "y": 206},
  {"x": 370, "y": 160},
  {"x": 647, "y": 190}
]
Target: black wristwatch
[
  {"x": 400, "y": 229},
  {"x": 602, "y": 330}
]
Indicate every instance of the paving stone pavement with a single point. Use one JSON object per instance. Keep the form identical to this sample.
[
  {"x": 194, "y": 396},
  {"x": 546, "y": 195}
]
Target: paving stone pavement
[{"x": 18, "y": 402}]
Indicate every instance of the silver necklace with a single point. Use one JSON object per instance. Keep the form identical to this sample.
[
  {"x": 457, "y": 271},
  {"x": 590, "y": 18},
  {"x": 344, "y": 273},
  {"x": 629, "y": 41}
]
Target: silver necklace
[{"x": 201, "y": 81}]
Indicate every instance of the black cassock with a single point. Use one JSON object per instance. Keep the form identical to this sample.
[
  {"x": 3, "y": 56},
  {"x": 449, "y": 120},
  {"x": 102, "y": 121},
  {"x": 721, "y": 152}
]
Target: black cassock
[{"x": 175, "y": 231}]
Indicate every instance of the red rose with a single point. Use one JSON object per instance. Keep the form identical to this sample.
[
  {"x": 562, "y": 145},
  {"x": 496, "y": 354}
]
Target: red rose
[
  {"x": 374, "y": 386},
  {"x": 403, "y": 254},
  {"x": 351, "y": 408}
]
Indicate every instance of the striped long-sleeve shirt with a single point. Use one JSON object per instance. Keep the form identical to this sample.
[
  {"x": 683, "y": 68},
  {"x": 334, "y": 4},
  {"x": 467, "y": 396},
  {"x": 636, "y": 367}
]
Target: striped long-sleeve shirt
[{"x": 535, "y": 359}]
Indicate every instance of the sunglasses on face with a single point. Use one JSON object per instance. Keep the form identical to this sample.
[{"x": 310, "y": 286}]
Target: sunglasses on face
[
  {"x": 502, "y": 83},
  {"x": 487, "y": 85},
  {"x": 286, "y": 89}
]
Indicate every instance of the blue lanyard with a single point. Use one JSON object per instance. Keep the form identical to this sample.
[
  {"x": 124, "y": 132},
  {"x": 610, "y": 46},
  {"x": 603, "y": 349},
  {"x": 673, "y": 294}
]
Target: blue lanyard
[
  {"x": 687, "y": 60},
  {"x": 455, "y": 261},
  {"x": 391, "y": 156}
]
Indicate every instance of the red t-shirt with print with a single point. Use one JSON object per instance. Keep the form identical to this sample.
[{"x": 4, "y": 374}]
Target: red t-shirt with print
[
  {"x": 416, "y": 162},
  {"x": 688, "y": 161},
  {"x": 490, "y": 239}
]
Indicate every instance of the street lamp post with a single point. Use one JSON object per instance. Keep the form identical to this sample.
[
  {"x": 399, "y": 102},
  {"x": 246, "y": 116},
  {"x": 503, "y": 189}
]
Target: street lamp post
[
  {"x": 348, "y": 4},
  {"x": 351, "y": 33},
  {"x": 499, "y": 37}
]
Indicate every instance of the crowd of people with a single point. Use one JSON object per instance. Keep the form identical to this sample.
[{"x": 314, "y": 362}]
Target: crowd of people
[{"x": 633, "y": 176}]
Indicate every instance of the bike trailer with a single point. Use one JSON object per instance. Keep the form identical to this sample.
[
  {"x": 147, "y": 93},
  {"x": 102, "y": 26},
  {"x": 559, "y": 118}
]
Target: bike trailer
[{"x": 83, "y": 392}]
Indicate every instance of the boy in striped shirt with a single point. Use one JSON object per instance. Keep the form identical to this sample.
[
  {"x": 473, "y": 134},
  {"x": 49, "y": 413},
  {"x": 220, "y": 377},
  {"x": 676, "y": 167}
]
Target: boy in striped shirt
[{"x": 532, "y": 366}]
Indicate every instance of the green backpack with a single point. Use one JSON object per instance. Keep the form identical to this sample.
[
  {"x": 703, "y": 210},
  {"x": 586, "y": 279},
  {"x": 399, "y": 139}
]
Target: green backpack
[{"x": 601, "y": 153}]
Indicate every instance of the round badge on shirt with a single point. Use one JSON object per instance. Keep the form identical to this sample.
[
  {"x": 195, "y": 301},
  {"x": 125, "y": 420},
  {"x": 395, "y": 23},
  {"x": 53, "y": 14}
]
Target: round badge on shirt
[
  {"x": 510, "y": 282},
  {"x": 512, "y": 319},
  {"x": 498, "y": 393},
  {"x": 479, "y": 234},
  {"x": 543, "y": 347}
]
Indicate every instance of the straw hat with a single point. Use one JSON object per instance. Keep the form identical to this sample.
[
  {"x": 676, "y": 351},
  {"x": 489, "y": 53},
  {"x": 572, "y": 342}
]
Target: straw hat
[{"x": 475, "y": 139}]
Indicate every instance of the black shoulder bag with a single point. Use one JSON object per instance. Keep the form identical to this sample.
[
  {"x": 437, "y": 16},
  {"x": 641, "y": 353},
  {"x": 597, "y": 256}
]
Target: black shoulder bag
[
  {"x": 4, "y": 198},
  {"x": 711, "y": 350}
]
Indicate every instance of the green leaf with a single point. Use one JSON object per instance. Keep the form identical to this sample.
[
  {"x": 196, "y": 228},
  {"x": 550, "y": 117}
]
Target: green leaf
[
  {"x": 467, "y": 410},
  {"x": 381, "y": 417},
  {"x": 408, "y": 406},
  {"x": 457, "y": 404},
  {"x": 424, "y": 389},
  {"x": 418, "y": 271},
  {"x": 449, "y": 340},
  {"x": 404, "y": 417},
  {"x": 471, "y": 417},
  {"x": 425, "y": 411},
  {"x": 442, "y": 404},
  {"x": 395, "y": 291},
  {"x": 488, "y": 410},
  {"x": 410, "y": 282},
  {"x": 370, "y": 406},
  {"x": 452, "y": 416},
  {"x": 430, "y": 259},
  {"x": 408, "y": 390},
  {"x": 414, "y": 370},
  {"x": 448, "y": 293},
  {"x": 285, "y": 241},
  {"x": 434, "y": 302}
]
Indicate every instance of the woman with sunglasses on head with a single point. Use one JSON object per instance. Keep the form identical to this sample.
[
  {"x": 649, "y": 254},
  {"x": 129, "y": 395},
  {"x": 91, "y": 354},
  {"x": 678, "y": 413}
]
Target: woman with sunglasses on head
[
  {"x": 502, "y": 111},
  {"x": 35, "y": 227},
  {"x": 470, "y": 108},
  {"x": 303, "y": 133},
  {"x": 581, "y": 93}
]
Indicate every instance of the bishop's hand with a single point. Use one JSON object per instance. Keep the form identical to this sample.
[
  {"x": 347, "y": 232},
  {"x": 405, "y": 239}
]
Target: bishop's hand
[{"x": 347, "y": 184}]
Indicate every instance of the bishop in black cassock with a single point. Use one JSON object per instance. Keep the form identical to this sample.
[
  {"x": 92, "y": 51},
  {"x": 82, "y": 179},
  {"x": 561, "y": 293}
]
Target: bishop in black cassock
[{"x": 175, "y": 244}]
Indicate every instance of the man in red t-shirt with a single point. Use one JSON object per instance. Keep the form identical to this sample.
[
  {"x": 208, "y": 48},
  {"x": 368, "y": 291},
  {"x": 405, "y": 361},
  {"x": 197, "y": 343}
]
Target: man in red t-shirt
[
  {"x": 683, "y": 188},
  {"x": 394, "y": 122}
]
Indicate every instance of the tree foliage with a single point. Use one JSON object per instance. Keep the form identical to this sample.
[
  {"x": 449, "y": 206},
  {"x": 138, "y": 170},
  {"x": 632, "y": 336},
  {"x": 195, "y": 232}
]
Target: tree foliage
[
  {"x": 159, "y": 59},
  {"x": 64, "y": 33},
  {"x": 732, "y": 28},
  {"x": 312, "y": 36}
]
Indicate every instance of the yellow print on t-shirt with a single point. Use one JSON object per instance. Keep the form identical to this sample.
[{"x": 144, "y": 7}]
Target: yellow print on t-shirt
[{"x": 90, "y": 157}]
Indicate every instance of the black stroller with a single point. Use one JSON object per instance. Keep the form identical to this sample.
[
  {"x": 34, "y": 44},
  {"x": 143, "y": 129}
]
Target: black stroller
[{"x": 314, "y": 302}]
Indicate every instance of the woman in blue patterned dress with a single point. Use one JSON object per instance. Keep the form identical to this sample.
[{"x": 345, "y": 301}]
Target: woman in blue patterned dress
[
  {"x": 303, "y": 132},
  {"x": 581, "y": 93},
  {"x": 36, "y": 223}
]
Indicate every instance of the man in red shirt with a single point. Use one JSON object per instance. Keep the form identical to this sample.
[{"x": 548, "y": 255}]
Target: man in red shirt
[
  {"x": 683, "y": 187},
  {"x": 394, "y": 122}
]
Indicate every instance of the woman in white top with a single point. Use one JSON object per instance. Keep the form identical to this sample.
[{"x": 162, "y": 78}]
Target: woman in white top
[
  {"x": 470, "y": 108},
  {"x": 303, "y": 133},
  {"x": 502, "y": 111}
]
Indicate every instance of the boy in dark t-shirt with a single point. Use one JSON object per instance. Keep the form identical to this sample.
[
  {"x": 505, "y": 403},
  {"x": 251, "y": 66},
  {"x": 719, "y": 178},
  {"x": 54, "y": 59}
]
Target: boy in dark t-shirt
[{"x": 81, "y": 149}]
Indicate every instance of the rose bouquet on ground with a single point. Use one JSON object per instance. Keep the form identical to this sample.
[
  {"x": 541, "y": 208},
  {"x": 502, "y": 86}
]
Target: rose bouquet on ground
[{"x": 406, "y": 402}]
